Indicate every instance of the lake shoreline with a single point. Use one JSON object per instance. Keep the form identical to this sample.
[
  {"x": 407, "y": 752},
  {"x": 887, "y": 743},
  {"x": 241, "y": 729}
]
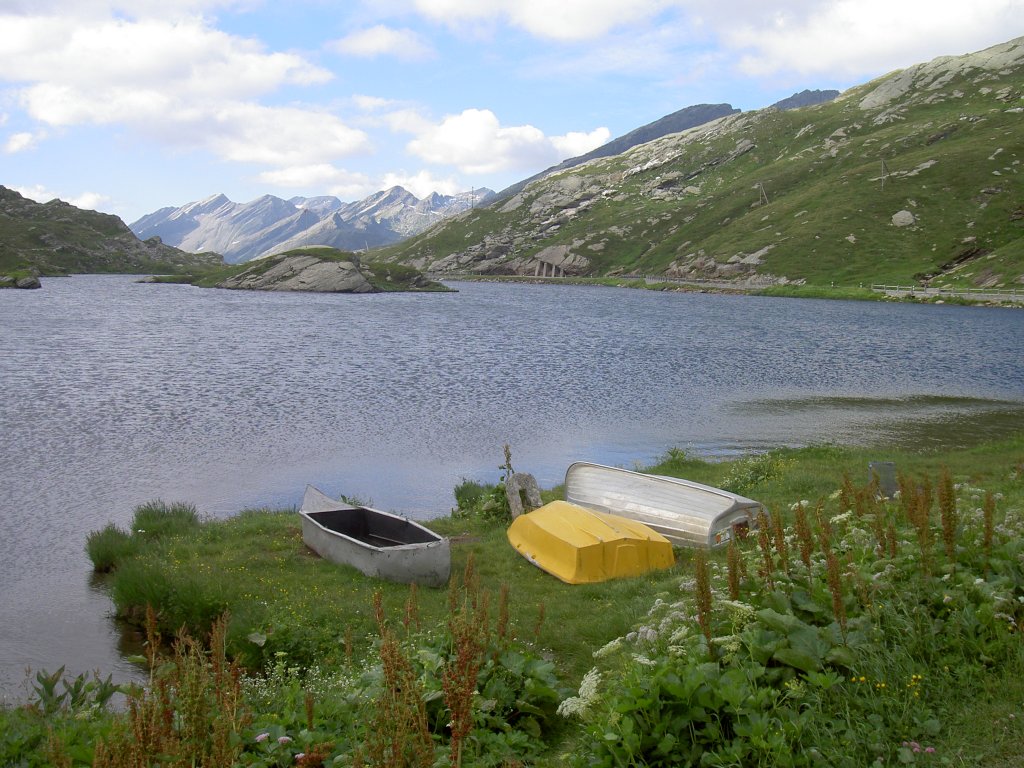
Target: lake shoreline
[{"x": 910, "y": 295}]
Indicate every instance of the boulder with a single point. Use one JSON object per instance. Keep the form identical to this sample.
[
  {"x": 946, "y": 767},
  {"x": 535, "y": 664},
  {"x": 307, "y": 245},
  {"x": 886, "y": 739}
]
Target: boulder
[
  {"x": 28, "y": 282},
  {"x": 302, "y": 273},
  {"x": 903, "y": 219}
]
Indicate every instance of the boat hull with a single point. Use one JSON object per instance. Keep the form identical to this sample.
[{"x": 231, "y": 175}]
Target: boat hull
[
  {"x": 685, "y": 512},
  {"x": 378, "y": 544},
  {"x": 581, "y": 546}
]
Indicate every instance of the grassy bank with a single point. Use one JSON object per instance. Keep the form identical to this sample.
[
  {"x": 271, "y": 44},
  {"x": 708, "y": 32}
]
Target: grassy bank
[{"x": 853, "y": 631}]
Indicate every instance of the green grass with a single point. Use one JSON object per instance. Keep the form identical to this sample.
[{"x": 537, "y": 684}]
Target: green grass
[
  {"x": 930, "y": 655},
  {"x": 256, "y": 566}
]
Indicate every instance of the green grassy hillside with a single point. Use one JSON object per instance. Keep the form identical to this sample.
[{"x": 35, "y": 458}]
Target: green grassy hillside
[
  {"x": 55, "y": 238},
  {"x": 806, "y": 195}
]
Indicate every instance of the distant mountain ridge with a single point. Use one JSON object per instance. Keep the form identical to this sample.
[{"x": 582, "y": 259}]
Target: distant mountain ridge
[{"x": 269, "y": 224}]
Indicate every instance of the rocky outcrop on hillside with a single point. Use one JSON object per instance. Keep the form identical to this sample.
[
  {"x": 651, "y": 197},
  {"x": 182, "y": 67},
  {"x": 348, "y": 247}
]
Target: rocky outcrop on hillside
[
  {"x": 58, "y": 238},
  {"x": 269, "y": 225}
]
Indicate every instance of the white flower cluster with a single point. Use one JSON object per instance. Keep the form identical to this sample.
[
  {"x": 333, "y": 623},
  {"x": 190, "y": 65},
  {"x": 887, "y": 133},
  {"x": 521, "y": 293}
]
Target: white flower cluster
[
  {"x": 740, "y": 612},
  {"x": 579, "y": 706},
  {"x": 841, "y": 518},
  {"x": 608, "y": 648},
  {"x": 730, "y": 645}
]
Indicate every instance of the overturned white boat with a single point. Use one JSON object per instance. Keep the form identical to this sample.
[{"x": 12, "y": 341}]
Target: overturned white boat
[
  {"x": 682, "y": 511},
  {"x": 379, "y": 544}
]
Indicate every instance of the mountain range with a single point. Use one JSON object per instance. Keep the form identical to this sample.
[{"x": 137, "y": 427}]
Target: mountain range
[
  {"x": 268, "y": 225},
  {"x": 914, "y": 177}
]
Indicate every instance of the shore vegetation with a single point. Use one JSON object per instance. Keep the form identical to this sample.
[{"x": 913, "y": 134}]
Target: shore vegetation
[{"x": 860, "y": 625}]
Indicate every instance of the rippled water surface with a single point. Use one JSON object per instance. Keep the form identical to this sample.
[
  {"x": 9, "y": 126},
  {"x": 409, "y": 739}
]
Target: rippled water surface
[{"x": 115, "y": 393}]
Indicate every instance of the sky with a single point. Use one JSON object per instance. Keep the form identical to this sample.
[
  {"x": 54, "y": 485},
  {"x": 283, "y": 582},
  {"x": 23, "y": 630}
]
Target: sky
[{"x": 128, "y": 106}]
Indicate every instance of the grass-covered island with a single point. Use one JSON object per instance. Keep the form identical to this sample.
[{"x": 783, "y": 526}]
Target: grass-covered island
[
  {"x": 311, "y": 269},
  {"x": 850, "y": 631}
]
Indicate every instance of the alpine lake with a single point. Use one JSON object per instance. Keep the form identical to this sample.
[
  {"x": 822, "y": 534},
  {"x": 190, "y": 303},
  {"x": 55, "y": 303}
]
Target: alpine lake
[{"x": 117, "y": 393}]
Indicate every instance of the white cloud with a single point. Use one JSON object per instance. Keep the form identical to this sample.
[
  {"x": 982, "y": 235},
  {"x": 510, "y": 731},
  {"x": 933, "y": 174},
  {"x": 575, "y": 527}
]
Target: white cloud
[
  {"x": 184, "y": 59},
  {"x": 854, "y": 37},
  {"x": 38, "y": 192},
  {"x": 90, "y": 201},
  {"x": 312, "y": 176},
  {"x": 87, "y": 200},
  {"x": 370, "y": 103},
  {"x": 384, "y": 41},
  {"x": 281, "y": 136},
  {"x": 181, "y": 82},
  {"x": 847, "y": 38},
  {"x": 567, "y": 20},
  {"x": 476, "y": 143},
  {"x": 577, "y": 143},
  {"x": 21, "y": 141},
  {"x": 86, "y": 9},
  {"x": 422, "y": 184},
  {"x": 407, "y": 120}
]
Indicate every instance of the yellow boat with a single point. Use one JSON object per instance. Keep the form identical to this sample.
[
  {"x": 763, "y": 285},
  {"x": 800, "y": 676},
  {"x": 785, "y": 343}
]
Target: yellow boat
[{"x": 581, "y": 546}]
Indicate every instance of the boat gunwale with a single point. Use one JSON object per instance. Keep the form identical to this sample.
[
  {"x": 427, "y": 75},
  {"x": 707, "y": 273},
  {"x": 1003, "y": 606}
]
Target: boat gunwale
[{"x": 436, "y": 538}]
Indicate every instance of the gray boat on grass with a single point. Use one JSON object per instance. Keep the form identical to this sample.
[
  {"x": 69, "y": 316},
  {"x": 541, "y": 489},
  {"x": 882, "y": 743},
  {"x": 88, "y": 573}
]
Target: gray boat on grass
[
  {"x": 380, "y": 544},
  {"x": 684, "y": 512}
]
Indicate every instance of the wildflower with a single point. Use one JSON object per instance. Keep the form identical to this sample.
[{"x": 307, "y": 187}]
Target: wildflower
[
  {"x": 284, "y": 739},
  {"x": 678, "y": 636},
  {"x": 947, "y": 599},
  {"x": 580, "y": 705},
  {"x": 262, "y": 737},
  {"x": 300, "y": 755},
  {"x": 841, "y": 518},
  {"x": 740, "y": 611},
  {"x": 588, "y": 686},
  {"x": 929, "y": 750}
]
